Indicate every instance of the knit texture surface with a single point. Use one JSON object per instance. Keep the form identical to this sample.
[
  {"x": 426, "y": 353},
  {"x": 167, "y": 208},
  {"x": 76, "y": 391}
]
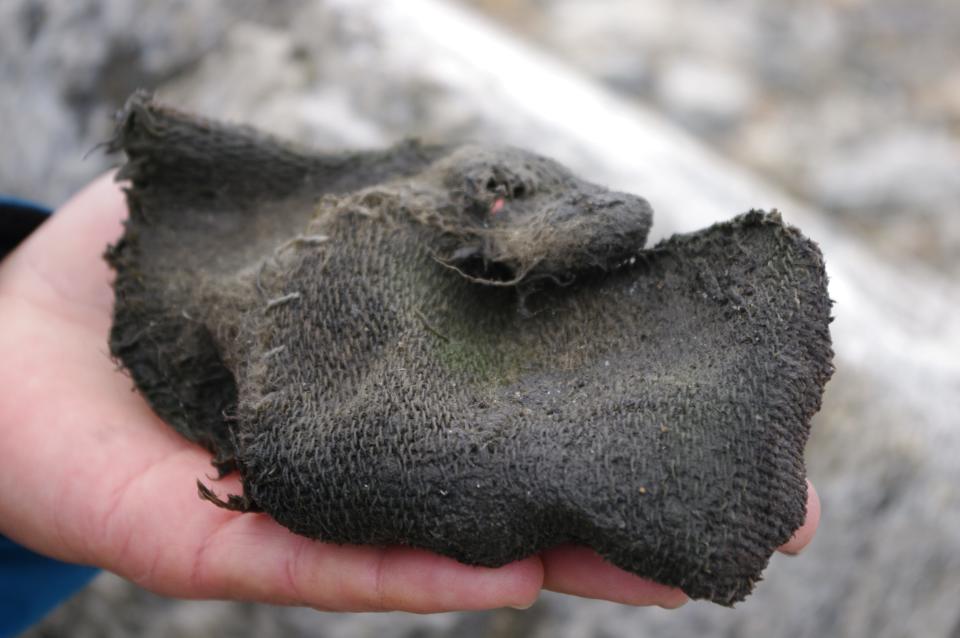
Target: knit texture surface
[{"x": 468, "y": 349}]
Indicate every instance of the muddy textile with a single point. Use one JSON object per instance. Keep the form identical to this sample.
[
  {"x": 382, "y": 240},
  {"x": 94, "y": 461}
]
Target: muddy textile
[{"x": 468, "y": 349}]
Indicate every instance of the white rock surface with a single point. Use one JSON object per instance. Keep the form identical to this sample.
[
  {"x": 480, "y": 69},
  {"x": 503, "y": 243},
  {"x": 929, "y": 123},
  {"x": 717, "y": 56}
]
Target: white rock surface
[
  {"x": 700, "y": 90},
  {"x": 905, "y": 168}
]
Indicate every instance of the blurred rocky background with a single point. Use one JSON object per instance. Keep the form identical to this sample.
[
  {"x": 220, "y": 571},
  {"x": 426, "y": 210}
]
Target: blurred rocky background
[
  {"x": 844, "y": 113},
  {"x": 853, "y": 105}
]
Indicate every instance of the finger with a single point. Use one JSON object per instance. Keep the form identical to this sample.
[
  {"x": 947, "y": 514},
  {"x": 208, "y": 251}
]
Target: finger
[
  {"x": 253, "y": 558},
  {"x": 61, "y": 266},
  {"x": 420, "y": 581},
  {"x": 802, "y": 537},
  {"x": 582, "y": 572},
  {"x": 289, "y": 569},
  {"x": 162, "y": 536}
]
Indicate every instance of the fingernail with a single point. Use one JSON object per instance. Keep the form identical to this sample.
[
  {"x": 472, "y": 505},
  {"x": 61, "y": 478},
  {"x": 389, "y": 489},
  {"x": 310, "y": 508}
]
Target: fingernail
[
  {"x": 675, "y": 604},
  {"x": 523, "y": 607},
  {"x": 790, "y": 549}
]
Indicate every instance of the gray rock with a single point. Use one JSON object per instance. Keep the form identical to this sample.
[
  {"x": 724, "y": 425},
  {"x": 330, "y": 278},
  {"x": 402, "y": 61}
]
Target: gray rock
[
  {"x": 704, "y": 93},
  {"x": 905, "y": 168},
  {"x": 74, "y": 62}
]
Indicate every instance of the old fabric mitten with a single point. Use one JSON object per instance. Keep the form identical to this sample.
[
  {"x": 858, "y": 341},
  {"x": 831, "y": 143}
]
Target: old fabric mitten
[{"x": 468, "y": 349}]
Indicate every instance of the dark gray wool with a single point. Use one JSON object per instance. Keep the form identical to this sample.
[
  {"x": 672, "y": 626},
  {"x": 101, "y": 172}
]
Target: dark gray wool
[{"x": 469, "y": 350}]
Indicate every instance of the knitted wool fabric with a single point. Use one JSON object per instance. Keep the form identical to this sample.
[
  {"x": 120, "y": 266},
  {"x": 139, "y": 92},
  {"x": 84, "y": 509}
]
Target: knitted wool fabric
[{"x": 469, "y": 350}]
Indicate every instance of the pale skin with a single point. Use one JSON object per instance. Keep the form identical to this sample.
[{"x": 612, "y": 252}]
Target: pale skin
[{"x": 90, "y": 475}]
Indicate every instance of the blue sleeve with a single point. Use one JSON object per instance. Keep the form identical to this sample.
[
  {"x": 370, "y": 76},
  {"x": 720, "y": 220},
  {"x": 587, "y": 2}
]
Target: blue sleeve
[
  {"x": 30, "y": 584},
  {"x": 18, "y": 218}
]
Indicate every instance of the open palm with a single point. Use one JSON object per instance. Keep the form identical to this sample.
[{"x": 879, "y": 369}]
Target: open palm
[{"x": 89, "y": 474}]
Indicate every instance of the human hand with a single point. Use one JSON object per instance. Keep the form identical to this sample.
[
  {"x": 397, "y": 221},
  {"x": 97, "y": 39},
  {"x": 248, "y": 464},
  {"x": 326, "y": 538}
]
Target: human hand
[{"x": 91, "y": 475}]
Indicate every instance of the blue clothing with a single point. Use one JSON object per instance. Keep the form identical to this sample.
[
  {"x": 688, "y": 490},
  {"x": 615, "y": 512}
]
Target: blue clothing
[
  {"x": 30, "y": 584},
  {"x": 18, "y": 218}
]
